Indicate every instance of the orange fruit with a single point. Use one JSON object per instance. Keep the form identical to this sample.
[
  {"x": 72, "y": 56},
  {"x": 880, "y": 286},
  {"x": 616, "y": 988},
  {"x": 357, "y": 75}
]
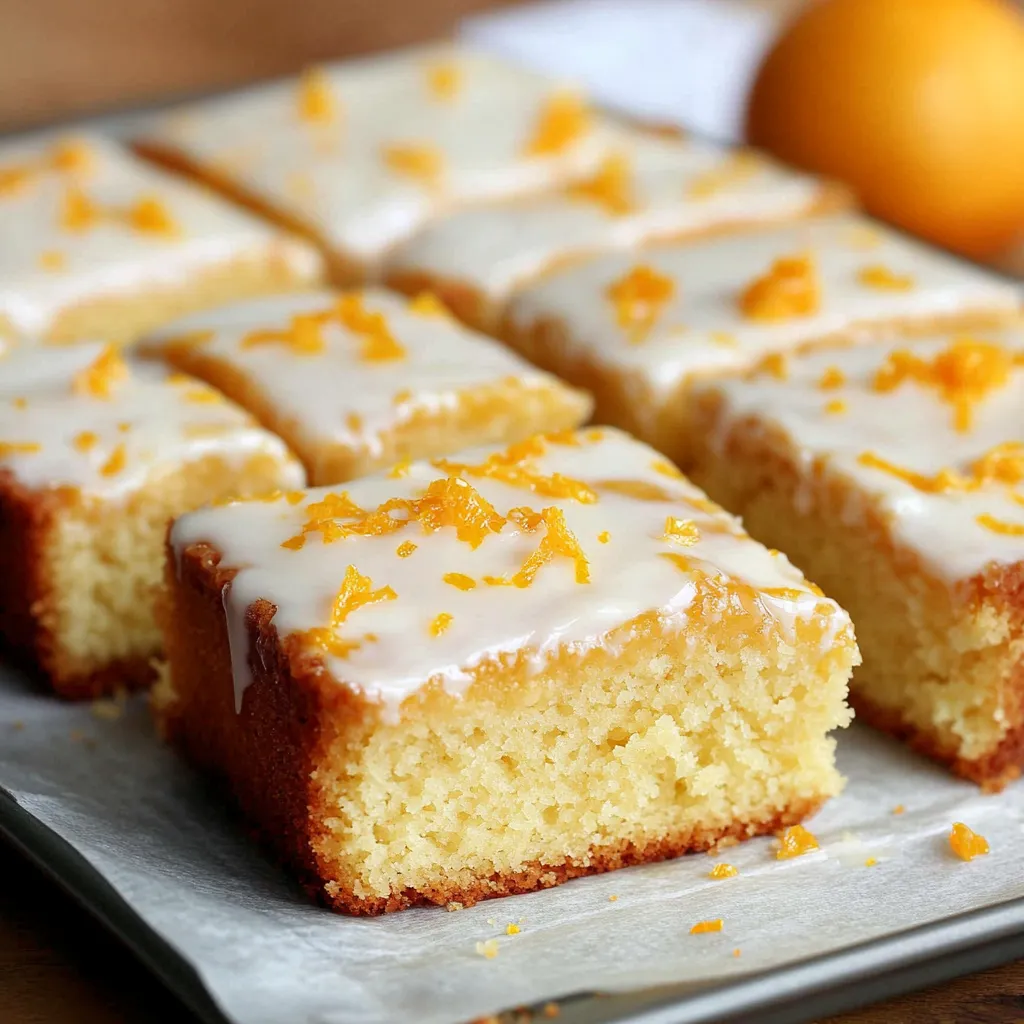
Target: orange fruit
[{"x": 917, "y": 104}]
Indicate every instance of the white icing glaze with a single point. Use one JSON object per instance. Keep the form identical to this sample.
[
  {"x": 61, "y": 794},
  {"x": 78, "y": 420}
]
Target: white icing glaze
[
  {"x": 911, "y": 427},
  {"x": 162, "y": 422},
  {"x": 111, "y": 257},
  {"x": 672, "y": 191},
  {"x": 318, "y": 394},
  {"x": 627, "y": 575},
  {"x": 710, "y": 275},
  {"x": 332, "y": 175}
]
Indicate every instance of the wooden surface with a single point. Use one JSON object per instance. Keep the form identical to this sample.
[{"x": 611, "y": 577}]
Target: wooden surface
[{"x": 57, "y": 966}]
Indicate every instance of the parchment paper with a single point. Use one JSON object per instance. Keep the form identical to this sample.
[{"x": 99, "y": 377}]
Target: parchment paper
[{"x": 265, "y": 954}]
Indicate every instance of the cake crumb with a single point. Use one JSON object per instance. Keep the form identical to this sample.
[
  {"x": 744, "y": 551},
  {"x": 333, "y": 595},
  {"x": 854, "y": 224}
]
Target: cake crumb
[
  {"x": 453, "y": 906},
  {"x": 488, "y": 948},
  {"x": 898, "y": 809},
  {"x": 795, "y": 842},
  {"x": 966, "y": 843},
  {"x": 703, "y": 927},
  {"x": 512, "y": 929},
  {"x": 720, "y": 871},
  {"x": 736, "y": 952},
  {"x": 552, "y": 1009},
  {"x": 870, "y": 862},
  {"x": 109, "y": 709},
  {"x": 612, "y": 899}
]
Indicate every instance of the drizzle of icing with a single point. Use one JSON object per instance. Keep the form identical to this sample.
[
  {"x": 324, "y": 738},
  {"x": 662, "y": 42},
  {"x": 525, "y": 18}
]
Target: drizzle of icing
[
  {"x": 103, "y": 426},
  {"x": 341, "y": 369},
  {"x": 713, "y": 271},
  {"x": 950, "y": 486},
  {"x": 473, "y": 114},
  {"x": 113, "y": 225},
  {"x": 579, "y": 591}
]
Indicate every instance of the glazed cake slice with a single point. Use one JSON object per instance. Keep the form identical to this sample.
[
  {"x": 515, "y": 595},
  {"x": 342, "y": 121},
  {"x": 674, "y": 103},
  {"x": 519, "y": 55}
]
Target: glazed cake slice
[
  {"x": 94, "y": 243},
  {"x": 649, "y": 188},
  {"x": 895, "y": 477},
  {"x": 95, "y": 458},
  {"x": 355, "y": 381},
  {"x": 635, "y": 329},
  {"x": 491, "y": 674},
  {"x": 359, "y": 155}
]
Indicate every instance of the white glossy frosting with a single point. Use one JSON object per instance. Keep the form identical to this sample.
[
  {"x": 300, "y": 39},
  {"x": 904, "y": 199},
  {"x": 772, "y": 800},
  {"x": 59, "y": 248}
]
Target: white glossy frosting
[
  {"x": 673, "y": 187},
  {"x": 627, "y": 575},
  {"x": 336, "y": 396},
  {"x": 47, "y": 266},
  {"x": 150, "y": 421},
  {"x": 702, "y": 327},
  {"x": 911, "y": 427},
  {"x": 331, "y": 174}
]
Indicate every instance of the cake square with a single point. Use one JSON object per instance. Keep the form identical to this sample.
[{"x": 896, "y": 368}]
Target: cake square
[
  {"x": 490, "y": 674},
  {"x": 95, "y": 243},
  {"x": 894, "y": 475},
  {"x": 649, "y": 188},
  {"x": 636, "y": 329},
  {"x": 95, "y": 457},
  {"x": 355, "y": 381},
  {"x": 360, "y": 154}
]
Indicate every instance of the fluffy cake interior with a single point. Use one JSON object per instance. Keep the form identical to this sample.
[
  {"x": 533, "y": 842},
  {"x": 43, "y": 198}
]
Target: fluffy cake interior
[
  {"x": 671, "y": 747},
  {"x": 102, "y": 561},
  {"x": 943, "y": 667}
]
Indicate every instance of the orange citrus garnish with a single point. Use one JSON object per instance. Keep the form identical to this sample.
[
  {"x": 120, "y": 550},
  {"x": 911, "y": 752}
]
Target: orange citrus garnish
[
  {"x": 876, "y": 275},
  {"x": 558, "y": 540},
  {"x": 966, "y": 843},
  {"x": 8, "y": 448},
  {"x": 356, "y": 592},
  {"x": 720, "y": 871},
  {"x": 564, "y": 119},
  {"x": 639, "y": 298},
  {"x": 444, "y": 80},
  {"x": 101, "y": 376},
  {"x": 316, "y": 100},
  {"x": 795, "y": 842},
  {"x": 440, "y": 624},
  {"x": 789, "y": 289},
  {"x": 609, "y": 187},
  {"x": 417, "y": 160},
  {"x": 150, "y": 216},
  {"x": 116, "y": 462},
  {"x": 703, "y": 927},
  {"x": 733, "y": 170}
]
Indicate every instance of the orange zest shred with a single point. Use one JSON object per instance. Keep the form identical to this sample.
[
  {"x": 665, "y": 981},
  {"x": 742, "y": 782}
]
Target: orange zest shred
[
  {"x": 774, "y": 364},
  {"x": 831, "y": 379},
  {"x": 720, "y": 871},
  {"x": 876, "y": 275},
  {"x": 440, "y": 624},
  {"x": 8, "y": 448},
  {"x": 356, "y": 592},
  {"x": 681, "y": 562},
  {"x": 444, "y": 80},
  {"x": 316, "y": 100},
  {"x": 428, "y": 304},
  {"x": 603, "y": 537},
  {"x": 400, "y": 469},
  {"x": 78, "y": 212},
  {"x": 835, "y": 407},
  {"x": 1000, "y": 526},
  {"x": 870, "y": 862},
  {"x": 704, "y": 927},
  {"x": 609, "y": 187},
  {"x": 85, "y": 440},
  {"x": 639, "y": 297},
  {"x": 515, "y": 467},
  {"x": 564, "y": 119},
  {"x": 102, "y": 375},
  {"x": 795, "y": 842},
  {"x": 417, "y": 160},
  {"x": 899, "y": 809},
  {"x": 116, "y": 462},
  {"x": 789, "y": 289},
  {"x": 459, "y": 580},
  {"x": 150, "y": 216},
  {"x": 52, "y": 259},
  {"x": 405, "y": 549},
  {"x": 379, "y": 344},
  {"x": 70, "y": 155},
  {"x": 666, "y": 468},
  {"x": 682, "y": 531},
  {"x": 964, "y": 374},
  {"x": 966, "y": 843},
  {"x": 558, "y": 540}
]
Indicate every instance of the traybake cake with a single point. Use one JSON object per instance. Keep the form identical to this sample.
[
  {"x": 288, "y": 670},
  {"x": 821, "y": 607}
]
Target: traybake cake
[
  {"x": 489, "y": 674},
  {"x": 895, "y": 477},
  {"x": 359, "y": 155},
  {"x": 94, "y": 243},
  {"x": 355, "y": 381},
  {"x": 636, "y": 328},
  {"x": 649, "y": 188},
  {"x": 95, "y": 457}
]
